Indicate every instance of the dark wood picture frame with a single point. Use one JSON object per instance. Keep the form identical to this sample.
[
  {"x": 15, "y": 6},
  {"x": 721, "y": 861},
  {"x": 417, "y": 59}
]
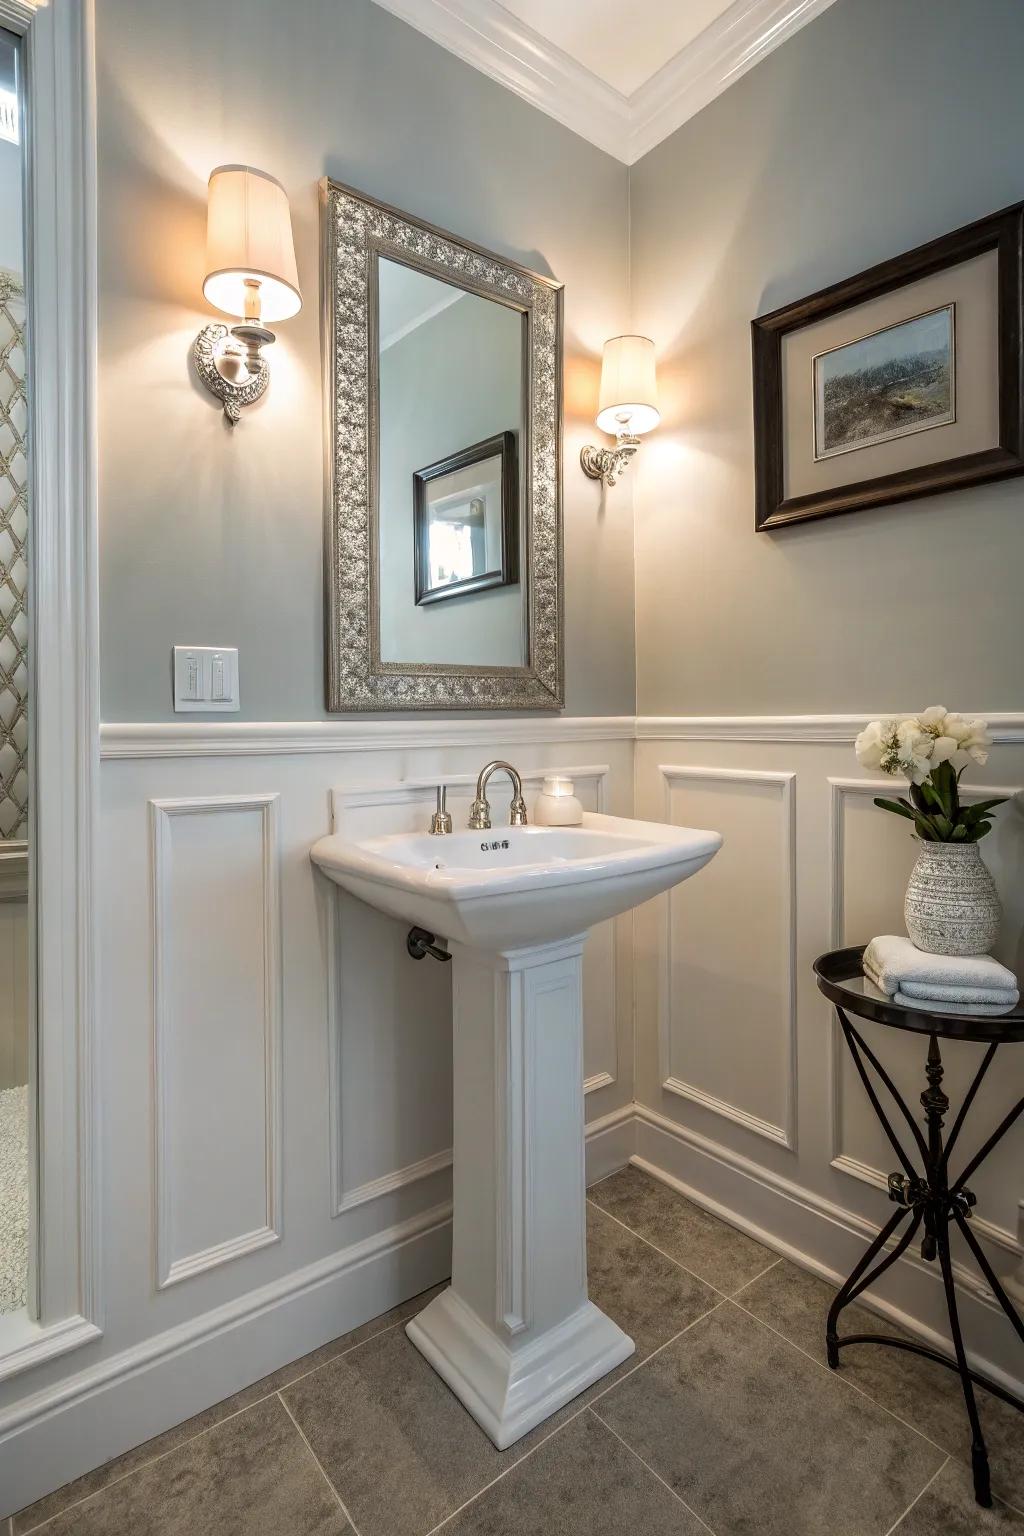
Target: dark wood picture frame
[
  {"x": 503, "y": 446},
  {"x": 1002, "y": 232}
]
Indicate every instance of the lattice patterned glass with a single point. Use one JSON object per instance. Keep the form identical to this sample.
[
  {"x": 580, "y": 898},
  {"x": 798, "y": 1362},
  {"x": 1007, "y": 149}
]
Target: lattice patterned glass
[{"x": 13, "y": 563}]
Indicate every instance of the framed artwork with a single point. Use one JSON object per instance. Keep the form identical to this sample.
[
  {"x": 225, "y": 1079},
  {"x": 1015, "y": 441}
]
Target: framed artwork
[
  {"x": 903, "y": 381},
  {"x": 466, "y": 521}
]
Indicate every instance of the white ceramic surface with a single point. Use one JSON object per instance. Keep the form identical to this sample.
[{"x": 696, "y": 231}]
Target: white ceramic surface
[
  {"x": 514, "y": 886},
  {"x": 516, "y": 1336}
]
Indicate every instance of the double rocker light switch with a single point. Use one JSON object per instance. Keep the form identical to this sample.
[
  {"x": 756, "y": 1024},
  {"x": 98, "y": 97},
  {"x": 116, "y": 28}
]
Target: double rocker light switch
[{"x": 205, "y": 677}]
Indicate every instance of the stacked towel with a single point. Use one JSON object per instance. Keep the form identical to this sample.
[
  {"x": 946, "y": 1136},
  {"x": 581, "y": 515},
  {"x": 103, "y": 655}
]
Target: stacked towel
[{"x": 946, "y": 983}]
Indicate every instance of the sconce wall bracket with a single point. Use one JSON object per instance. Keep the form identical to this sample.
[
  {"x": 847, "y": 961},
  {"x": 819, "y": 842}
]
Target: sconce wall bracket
[
  {"x": 609, "y": 464},
  {"x": 219, "y": 352}
]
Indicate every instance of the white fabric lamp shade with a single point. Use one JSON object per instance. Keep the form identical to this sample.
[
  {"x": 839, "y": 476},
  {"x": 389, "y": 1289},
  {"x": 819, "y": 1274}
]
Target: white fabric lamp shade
[
  {"x": 249, "y": 236},
  {"x": 629, "y": 390}
]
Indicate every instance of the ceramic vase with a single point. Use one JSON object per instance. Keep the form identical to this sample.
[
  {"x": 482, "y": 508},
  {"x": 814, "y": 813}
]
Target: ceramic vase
[{"x": 952, "y": 907}]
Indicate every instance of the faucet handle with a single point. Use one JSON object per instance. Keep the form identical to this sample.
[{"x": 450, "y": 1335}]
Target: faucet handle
[
  {"x": 441, "y": 821},
  {"x": 517, "y": 812},
  {"x": 480, "y": 815}
]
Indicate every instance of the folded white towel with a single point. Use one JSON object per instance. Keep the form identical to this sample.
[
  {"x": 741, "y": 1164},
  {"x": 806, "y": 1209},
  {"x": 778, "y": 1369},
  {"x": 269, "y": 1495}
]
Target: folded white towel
[
  {"x": 936, "y": 1005},
  {"x": 891, "y": 960},
  {"x": 1000, "y": 996}
]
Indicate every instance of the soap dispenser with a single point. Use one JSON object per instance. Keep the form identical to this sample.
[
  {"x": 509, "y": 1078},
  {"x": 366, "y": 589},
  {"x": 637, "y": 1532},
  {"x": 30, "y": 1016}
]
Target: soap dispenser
[{"x": 557, "y": 805}]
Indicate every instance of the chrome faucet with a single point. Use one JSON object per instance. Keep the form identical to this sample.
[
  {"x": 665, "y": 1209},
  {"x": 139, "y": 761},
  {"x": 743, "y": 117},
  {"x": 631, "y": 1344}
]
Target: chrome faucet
[
  {"x": 480, "y": 815},
  {"x": 441, "y": 821}
]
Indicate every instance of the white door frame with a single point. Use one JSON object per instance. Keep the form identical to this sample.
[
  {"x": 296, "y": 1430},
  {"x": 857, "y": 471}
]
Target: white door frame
[{"x": 65, "y": 1306}]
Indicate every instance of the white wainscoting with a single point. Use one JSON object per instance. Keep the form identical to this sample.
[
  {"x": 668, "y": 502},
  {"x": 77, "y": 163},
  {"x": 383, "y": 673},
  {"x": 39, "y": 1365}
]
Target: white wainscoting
[
  {"x": 746, "y": 1098},
  {"x": 216, "y": 948},
  {"x": 744, "y": 973},
  {"x": 276, "y": 1068}
]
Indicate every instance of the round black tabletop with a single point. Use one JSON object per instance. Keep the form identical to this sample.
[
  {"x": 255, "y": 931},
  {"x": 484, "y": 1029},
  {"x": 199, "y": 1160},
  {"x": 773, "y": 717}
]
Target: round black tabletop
[{"x": 841, "y": 978}]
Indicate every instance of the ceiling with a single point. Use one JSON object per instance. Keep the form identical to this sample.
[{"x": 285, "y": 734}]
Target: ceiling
[
  {"x": 624, "y": 76},
  {"x": 623, "y": 55}
]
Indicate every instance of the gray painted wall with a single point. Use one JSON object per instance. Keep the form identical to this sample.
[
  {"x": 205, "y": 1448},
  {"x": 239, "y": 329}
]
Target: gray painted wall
[
  {"x": 875, "y": 128},
  {"x": 214, "y": 536}
]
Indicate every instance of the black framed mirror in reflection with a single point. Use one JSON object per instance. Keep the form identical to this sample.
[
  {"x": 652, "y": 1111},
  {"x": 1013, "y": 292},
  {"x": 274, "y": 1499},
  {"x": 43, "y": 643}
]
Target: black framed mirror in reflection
[{"x": 450, "y": 523}]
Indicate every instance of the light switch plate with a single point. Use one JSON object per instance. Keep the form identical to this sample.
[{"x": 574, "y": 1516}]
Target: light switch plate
[{"x": 205, "y": 678}]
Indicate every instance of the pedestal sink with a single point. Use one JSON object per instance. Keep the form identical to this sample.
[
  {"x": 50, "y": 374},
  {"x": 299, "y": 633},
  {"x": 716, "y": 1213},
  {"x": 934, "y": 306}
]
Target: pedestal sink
[{"x": 515, "y": 1335}]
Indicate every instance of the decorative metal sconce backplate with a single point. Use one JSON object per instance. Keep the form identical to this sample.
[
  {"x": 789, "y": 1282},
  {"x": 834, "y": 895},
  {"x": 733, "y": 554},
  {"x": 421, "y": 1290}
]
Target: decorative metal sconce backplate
[
  {"x": 609, "y": 464},
  {"x": 210, "y": 346}
]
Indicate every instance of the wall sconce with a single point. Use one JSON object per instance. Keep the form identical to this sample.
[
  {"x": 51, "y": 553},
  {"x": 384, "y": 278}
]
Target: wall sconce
[
  {"x": 250, "y": 272},
  {"x": 628, "y": 405}
]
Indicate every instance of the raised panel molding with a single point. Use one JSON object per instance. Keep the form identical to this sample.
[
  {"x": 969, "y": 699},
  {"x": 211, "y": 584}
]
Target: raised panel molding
[
  {"x": 172, "y": 1268},
  {"x": 411, "y": 793},
  {"x": 785, "y": 1134},
  {"x": 841, "y": 789}
]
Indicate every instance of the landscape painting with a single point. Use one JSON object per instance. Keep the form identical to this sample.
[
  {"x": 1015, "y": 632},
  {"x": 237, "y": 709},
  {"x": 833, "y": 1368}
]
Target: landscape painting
[{"x": 887, "y": 385}]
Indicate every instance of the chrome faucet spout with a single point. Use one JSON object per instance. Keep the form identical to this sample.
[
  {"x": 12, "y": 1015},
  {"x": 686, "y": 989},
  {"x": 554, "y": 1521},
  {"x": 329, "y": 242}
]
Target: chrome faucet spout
[{"x": 480, "y": 815}]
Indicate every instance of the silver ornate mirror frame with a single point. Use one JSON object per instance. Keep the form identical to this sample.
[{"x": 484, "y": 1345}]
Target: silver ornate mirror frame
[{"x": 355, "y": 231}]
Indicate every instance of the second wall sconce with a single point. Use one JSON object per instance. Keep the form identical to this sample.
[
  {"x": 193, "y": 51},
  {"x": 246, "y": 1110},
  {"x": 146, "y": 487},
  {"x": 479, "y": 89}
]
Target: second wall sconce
[
  {"x": 628, "y": 405},
  {"x": 250, "y": 273}
]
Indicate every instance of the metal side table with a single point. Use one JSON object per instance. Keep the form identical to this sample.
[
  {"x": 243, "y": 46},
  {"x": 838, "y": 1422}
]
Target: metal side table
[{"x": 927, "y": 1196}]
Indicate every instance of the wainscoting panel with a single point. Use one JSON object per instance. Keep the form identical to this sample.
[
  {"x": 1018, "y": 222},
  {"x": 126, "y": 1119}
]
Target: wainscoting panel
[
  {"x": 727, "y": 1037},
  {"x": 217, "y": 1031},
  {"x": 744, "y": 1090},
  {"x": 291, "y": 1110}
]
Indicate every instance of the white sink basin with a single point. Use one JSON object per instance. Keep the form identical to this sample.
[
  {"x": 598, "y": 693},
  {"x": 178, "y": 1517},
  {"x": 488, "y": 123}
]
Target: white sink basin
[
  {"x": 515, "y": 1335},
  {"x": 514, "y": 886}
]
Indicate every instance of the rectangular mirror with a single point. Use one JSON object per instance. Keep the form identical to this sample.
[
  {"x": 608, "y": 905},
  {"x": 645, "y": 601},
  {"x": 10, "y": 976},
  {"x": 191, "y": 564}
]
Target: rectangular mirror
[{"x": 443, "y": 519}]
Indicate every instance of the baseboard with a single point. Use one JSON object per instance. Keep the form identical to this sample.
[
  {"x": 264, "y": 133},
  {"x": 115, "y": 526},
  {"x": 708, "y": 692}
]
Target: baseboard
[
  {"x": 818, "y": 1235},
  {"x": 611, "y": 1142},
  {"x": 64, "y": 1430}
]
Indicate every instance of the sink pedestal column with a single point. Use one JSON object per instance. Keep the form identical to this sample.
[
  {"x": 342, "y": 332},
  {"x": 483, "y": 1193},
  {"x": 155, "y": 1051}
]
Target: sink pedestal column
[{"x": 515, "y": 1336}]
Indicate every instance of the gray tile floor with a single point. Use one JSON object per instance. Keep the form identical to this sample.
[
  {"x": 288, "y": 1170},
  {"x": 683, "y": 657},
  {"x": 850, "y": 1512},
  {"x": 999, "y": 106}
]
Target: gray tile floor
[{"x": 725, "y": 1421}]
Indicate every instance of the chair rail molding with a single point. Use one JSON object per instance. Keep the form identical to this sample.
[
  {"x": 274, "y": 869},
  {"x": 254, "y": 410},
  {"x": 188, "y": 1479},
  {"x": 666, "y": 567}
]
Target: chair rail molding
[
  {"x": 287, "y": 737},
  {"x": 171, "y": 1269},
  {"x": 1005, "y": 727},
  {"x": 486, "y": 35},
  {"x": 281, "y": 738},
  {"x": 65, "y": 1308},
  {"x": 785, "y": 783}
]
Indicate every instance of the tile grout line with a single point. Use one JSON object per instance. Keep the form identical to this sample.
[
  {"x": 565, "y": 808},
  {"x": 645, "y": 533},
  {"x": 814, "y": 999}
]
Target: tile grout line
[
  {"x": 806, "y": 1353},
  {"x": 318, "y": 1463},
  {"x": 180, "y": 1446},
  {"x": 900, "y": 1518},
  {"x": 571, "y": 1420},
  {"x": 844, "y": 1381},
  {"x": 640, "y": 1238},
  {"x": 654, "y": 1474},
  {"x": 654, "y": 1352},
  {"x": 767, "y": 1270}
]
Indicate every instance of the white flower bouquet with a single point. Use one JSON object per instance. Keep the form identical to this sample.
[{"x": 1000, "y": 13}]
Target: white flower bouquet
[{"x": 931, "y": 750}]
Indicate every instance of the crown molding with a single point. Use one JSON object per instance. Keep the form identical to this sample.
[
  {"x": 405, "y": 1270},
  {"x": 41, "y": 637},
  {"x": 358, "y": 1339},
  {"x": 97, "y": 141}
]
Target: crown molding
[
  {"x": 487, "y": 36},
  {"x": 741, "y": 37}
]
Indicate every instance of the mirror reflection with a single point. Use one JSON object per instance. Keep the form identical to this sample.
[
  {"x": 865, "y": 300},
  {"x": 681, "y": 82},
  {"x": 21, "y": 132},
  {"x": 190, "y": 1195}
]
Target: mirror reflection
[
  {"x": 450, "y": 504},
  {"x": 15, "y": 914}
]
